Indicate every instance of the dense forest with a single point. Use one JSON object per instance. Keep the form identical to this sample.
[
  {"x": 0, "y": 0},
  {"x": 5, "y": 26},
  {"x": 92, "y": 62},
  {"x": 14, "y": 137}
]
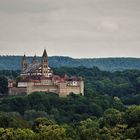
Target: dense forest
[
  {"x": 110, "y": 109},
  {"x": 108, "y": 64}
]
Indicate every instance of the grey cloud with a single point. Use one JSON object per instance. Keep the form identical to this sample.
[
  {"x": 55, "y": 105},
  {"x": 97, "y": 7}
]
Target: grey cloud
[{"x": 101, "y": 28}]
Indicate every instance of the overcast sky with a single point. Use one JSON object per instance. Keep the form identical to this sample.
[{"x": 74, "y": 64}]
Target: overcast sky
[{"x": 75, "y": 28}]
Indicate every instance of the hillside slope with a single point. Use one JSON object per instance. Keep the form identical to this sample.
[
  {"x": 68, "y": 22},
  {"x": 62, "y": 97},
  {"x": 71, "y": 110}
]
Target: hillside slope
[{"x": 108, "y": 64}]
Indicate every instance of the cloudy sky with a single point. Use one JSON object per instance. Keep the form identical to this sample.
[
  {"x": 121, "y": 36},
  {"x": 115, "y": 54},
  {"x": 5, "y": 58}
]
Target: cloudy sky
[{"x": 76, "y": 28}]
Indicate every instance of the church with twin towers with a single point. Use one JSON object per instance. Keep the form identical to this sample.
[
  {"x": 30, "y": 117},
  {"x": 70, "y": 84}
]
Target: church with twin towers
[{"x": 37, "y": 76}]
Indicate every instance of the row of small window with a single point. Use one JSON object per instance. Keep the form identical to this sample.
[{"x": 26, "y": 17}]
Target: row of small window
[
  {"x": 45, "y": 61},
  {"x": 45, "y": 72},
  {"x": 45, "y": 66}
]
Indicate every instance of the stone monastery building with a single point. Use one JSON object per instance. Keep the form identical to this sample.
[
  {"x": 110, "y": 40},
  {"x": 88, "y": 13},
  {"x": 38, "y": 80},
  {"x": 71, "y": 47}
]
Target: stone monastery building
[{"x": 39, "y": 77}]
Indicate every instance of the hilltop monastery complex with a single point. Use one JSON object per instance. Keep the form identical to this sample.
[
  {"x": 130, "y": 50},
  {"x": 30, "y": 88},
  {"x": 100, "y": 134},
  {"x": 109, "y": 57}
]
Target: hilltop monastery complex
[{"x": 39, "y": 77}]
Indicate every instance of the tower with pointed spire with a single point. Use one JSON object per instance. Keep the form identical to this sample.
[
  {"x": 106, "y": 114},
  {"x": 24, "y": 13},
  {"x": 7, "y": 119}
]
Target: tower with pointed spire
[
  {"x": 44, "y": 63},
  {"x": 24, "y": 63}
]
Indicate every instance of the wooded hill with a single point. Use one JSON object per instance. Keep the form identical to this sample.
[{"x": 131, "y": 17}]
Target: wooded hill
[
  {"x": 110, "y": 109},
  {"x": 107, "y": 64}
]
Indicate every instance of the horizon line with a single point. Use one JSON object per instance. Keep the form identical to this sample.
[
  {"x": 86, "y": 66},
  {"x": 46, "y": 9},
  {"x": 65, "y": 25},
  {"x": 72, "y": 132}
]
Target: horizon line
[{"x": 74, "y": 57}]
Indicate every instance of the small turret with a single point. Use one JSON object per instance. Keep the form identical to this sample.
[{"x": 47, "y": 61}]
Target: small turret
[
  {"x": 45, "y": 63},
  {"x": 34, "y": 60},
  {"x": 24, "y": 63}
]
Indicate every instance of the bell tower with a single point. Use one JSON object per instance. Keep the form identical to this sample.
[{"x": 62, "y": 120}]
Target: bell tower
[
  {"x": 45, "y": 63},
  {"x": 24, "y": 63}
]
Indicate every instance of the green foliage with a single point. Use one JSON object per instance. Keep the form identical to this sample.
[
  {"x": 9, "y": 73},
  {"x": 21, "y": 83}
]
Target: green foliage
[
  {"x": 88, "y": 130},
  {"x": 24, "y": 134},
  {"x": 48, "y": 129},
  {"x": 112, "y": 117},
  {"x": 131, "y": 133},
  {"x": 104, "y": 113},
  {"x": 52, "y": 132},
  {"x": 6, "y": 134},
  {"x": 132, "y": 116},
  {"x": 3, "y": 85},
  {"x": 115, "y": 133},
  {"x": 117, "y": 104},
  {"x": 32, "y": 114},
  {"x": 18, "y": 120},
  {"x": 39, "y": 122},
  {"x": 11, "y": 119}
]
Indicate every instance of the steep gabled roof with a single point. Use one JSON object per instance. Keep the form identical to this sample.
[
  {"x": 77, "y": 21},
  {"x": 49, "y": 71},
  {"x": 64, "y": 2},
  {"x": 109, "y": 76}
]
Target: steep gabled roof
[
  {"x": 45, "y": 53},
  {"x": 32, "y": 68}
]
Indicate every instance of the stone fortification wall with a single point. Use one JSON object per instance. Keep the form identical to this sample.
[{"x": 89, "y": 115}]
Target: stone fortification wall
[
  {"x": 62, "y": 89},
  {"x": 65, "y": 89},
  {"x": 42, "y": 88},
  {"x": 17, "y": 91}
]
